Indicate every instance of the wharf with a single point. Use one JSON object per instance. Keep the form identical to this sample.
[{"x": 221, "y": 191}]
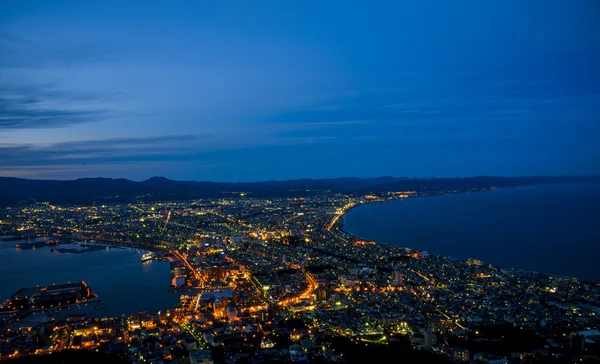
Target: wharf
[{"x": 40, "y": 298}]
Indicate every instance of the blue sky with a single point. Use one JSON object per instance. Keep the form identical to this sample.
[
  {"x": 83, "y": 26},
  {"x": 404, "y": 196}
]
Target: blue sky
[{"x": 247, "y": 91}]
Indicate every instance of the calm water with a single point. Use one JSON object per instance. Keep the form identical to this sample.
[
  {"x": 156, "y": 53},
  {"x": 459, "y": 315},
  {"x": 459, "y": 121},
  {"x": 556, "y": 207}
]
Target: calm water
[
  {"x": 552, "y": 229},
  {"x": 121, "y": 280}
]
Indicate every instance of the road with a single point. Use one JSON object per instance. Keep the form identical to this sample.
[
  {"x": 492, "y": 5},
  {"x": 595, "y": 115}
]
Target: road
[{"x": 188, "y": 265}]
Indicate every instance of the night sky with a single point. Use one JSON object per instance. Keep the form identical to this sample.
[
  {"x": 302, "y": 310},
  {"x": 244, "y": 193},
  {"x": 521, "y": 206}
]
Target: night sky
[{"x": 253, "y": 90}]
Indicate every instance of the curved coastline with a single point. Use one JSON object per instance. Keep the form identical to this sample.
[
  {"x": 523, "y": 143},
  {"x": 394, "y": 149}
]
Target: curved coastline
[
  {"x": 341, "y": 221},
  {"x": 544, "y": 263}
]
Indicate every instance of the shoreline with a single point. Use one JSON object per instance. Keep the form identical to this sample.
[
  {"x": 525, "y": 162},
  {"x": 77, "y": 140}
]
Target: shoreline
[
  {"x": 341, "y": 221},
  {"x": 117, "y": 302},
  {"x": 341, "y": 227}
]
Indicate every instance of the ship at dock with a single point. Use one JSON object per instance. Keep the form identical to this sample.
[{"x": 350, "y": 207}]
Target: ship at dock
[{"x": 148, "y": 257}]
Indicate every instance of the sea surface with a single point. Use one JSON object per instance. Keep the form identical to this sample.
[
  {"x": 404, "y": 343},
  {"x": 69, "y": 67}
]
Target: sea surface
[
  {"x": 123, "y": 283},
  {"x": 553, "y": 229}
]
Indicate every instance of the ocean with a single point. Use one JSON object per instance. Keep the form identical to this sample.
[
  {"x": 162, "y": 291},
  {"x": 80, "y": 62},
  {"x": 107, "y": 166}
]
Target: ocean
[{"x": 553, "y": 229}]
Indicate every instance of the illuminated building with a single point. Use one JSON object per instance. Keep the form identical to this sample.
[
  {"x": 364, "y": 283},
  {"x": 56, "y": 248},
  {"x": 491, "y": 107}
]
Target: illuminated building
[
  {"x": 321, "y": 294},
  {"x": 461, "y": 355},
  {"x": 472, "y": 261},
  {"x": 231, "y": 313},
  {"x": 220, "y": 307},
  {"x": 216, "y": 273},
  {"x": 178, "y": 281},
  {"x": 265, "y": 343},
  {"x": 179, "y": 271}
]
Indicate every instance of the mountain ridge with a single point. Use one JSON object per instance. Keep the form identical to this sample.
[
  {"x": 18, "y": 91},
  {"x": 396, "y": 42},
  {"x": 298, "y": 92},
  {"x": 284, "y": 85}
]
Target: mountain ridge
[{"x": 15, "y": 190}]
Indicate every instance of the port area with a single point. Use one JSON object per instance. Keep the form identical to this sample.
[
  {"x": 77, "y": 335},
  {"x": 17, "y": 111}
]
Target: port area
[
  {"x": 38, "y": 243},
  {"x": 70, "y": 245},
  {"x": 83, "y": 248},
  {"x": 33, "y": 299}
]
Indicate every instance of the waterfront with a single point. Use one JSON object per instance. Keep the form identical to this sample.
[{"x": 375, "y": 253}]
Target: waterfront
[
  {"x": 268, "y": 263},
  {"x": 551, "y": 228},
  {"x": 123, "y": 283}
]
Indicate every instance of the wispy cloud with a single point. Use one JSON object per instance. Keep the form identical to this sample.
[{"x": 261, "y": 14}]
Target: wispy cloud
[
  {"x": 132, "y": 157},
  {"x": 138, "y": 171},
  {"x": 100, "y": 151},
  {"x": 43, "y": 106}
]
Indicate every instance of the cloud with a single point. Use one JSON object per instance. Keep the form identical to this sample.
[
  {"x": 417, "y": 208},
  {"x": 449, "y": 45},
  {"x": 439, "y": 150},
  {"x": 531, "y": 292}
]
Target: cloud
[
  {"x": 43, "y": 106},
  {"x": 134, "y": 158},
  {"x": 100, "y": 151},
  {"x": 135, "y": 171},
  {"x": 473, "y": 106}
]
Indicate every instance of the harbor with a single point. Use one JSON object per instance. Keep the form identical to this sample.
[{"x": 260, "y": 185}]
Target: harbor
[
  {"x": 46, "y": 297},
  {"x": 122, "y": 282}
]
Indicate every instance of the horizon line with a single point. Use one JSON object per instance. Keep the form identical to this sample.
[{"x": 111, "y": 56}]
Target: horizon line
[{"x": 303, "y": 179}]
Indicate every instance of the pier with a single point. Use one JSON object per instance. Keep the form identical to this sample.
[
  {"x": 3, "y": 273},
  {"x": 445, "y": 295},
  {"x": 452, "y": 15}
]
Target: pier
[{"x": 33, "y": 299}]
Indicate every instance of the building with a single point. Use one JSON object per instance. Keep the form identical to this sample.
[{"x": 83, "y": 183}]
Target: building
[
  {"x": 190, "y": 343},
  {"x": 473, "y": 261},
  {"x": 461, "y": 355},
  {"x": 178, "y": 281},
  {"x": 220, "y": 307},
  {"x": 231, "y": 313},
  {"x": 321, "y": 294},
  {"x": 216, "y": 273},
  {"x": 397, "y": 278},
  {"x": 179, "y": 272},
  {"x": 428, "y": 339},
  {"x": 201, "y": 357},
  {"x": 579, "y": 339}
]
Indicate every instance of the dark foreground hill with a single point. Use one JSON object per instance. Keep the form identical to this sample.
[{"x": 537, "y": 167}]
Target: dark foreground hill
[
  {"x": 70, "y": 357},
  {"x": 107, "y": 190}
]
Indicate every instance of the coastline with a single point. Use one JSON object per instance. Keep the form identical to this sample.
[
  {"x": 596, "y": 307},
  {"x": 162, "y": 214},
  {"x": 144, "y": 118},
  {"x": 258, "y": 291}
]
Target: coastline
[
  {"x": 118, "y": 288},
  {"x": 342, "y": 227},
  {"x": 342, "y": 219}
]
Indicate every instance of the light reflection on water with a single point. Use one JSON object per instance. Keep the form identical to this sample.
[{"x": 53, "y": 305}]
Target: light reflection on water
[{"x": 123, "y": 283}]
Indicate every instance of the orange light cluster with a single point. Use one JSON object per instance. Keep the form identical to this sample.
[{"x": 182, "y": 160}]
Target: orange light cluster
[
  {"x": 379, "y": 289},
  {"x": 255, "y": 308},
  {"x": 363, "y": 242}
]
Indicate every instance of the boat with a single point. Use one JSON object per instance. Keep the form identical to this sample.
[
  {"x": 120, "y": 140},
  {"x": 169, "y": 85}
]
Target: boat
[{"x": 148, "y": 256}]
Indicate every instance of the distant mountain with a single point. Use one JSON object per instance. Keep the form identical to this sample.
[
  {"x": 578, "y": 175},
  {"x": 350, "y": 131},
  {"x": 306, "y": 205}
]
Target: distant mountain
[
  {"x": 106, "y": 190},
  {"x": 157, "y": 181}
]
